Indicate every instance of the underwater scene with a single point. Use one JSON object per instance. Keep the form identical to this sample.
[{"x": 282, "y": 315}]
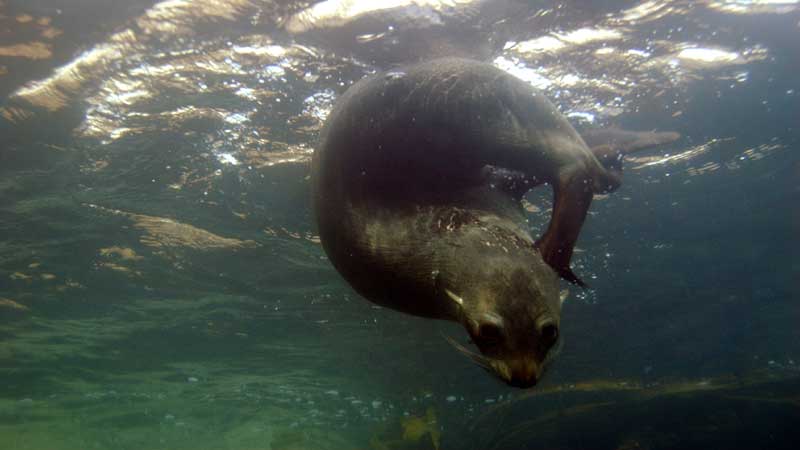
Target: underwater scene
[{"x": 169, "y": 280}]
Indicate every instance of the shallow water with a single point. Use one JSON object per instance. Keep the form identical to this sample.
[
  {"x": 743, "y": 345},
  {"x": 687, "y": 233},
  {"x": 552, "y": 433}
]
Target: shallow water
[{"x": 162, "y": 284}]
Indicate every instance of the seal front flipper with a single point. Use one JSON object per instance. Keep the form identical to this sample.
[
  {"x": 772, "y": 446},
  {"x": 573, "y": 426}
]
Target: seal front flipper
[
  {"x": 572, "y": 196},
  {"x": 573, "y": 193},
  {"x": 571, "y": 203}
]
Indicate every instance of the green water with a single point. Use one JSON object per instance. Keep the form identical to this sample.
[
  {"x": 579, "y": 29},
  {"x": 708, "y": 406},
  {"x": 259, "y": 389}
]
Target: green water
[{"x": 162, "y": 285}]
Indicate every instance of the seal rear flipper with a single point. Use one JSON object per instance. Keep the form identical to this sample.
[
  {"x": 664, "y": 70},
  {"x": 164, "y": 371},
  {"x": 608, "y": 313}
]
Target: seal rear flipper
[
  {"x": 610, "y": 146},
  {"x": 610, "y": 179},
  {"x": 626, "y": 142},
  {"x": 572, "y": 200}
]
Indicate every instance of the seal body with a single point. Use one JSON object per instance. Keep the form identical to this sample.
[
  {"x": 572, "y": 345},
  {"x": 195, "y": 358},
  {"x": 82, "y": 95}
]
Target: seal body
[{"x": 417, "y": 184}]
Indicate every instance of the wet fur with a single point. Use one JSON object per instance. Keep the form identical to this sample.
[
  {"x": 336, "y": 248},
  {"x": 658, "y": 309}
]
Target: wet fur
[{"x": 417, "y": 186}]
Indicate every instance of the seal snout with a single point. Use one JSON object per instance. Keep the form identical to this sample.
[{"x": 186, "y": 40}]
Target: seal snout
[
  {"x": 525, "y": 371},
  {"x": 522, "y": 383},
  {"x": 522, "y": 373}
]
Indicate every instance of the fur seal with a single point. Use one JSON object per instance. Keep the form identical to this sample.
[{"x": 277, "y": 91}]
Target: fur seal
[{"x": 417, "y": 185}]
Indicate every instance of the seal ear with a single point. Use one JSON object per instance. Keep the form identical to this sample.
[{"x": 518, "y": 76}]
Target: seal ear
[{"x": 457, "y": 300}]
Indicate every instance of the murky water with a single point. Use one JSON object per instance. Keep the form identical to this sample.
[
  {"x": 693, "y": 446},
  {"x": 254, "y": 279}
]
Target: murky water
[{"x": 162, "y": 284}]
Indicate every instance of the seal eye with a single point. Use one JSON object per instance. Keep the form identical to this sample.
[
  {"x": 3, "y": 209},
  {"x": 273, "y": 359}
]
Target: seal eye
[
  {"x": 549, "y": 334},
  {"x": 490, "y": 334}
]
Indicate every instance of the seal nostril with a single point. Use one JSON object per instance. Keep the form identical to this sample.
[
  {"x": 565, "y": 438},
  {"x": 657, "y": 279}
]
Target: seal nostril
[{"x": 523, "y": 382}]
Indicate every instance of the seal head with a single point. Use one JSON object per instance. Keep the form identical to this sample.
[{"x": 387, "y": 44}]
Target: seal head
[{"x": 506, "y": 298}]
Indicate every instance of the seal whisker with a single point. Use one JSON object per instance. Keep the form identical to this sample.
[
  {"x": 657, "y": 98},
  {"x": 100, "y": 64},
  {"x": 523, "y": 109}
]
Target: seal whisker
[{"x": 477, "y": 358}]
